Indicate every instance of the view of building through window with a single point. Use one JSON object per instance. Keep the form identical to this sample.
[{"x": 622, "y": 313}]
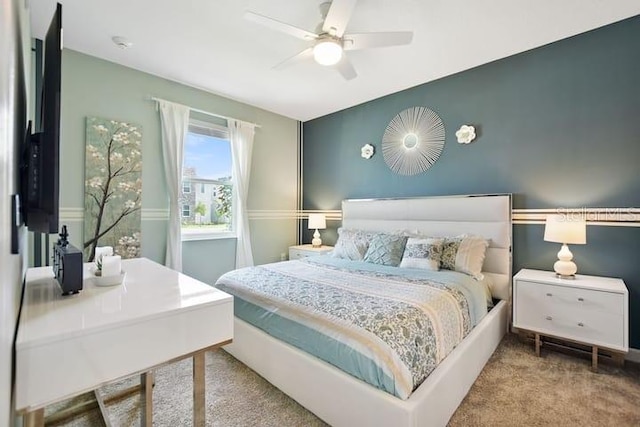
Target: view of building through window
[{"x": 207, "y": 187}]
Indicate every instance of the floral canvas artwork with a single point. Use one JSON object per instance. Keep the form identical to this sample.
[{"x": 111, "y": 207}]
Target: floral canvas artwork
[{"x": 113, "y": 187}]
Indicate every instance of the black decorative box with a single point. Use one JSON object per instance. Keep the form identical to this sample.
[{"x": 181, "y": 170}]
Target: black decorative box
[{"x": 67, "y": 264}]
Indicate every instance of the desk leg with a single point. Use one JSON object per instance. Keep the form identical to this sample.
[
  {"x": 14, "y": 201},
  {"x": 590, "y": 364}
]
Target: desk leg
[
  {"x": 146, "y": 382},
  {"x": 199, "y": 410},
  {"x": 34, "y": 418}
]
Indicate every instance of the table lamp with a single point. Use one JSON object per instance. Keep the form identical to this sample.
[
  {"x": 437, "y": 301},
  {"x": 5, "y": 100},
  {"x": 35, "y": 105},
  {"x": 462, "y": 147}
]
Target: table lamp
[
  {"x": 562, "y": 229},
  {"x": 318, "y": 222}
]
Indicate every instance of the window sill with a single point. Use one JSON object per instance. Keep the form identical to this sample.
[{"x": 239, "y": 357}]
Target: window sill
[{"x": 200, "y": 235}]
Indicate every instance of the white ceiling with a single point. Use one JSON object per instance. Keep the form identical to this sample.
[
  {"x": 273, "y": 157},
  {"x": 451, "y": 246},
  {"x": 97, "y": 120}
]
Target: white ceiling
[{"x": 207, "y": 43}]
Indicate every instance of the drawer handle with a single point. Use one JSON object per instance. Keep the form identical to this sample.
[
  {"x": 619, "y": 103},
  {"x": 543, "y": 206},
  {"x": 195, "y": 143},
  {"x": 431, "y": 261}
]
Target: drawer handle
[
  {"x": 581, "y": 299},
  {"x": 549, "y": 294},
  {"x": 581, "y": 324},
  {"x": 549, "y": 318}
]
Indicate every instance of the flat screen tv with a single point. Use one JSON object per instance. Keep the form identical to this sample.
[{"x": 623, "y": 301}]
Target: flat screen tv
[{"x": 40, "y": 165}]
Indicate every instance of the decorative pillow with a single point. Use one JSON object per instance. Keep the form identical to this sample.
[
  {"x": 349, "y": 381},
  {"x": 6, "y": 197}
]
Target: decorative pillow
[
  {"x": 422, "y": 253},
  {"x": 450, "y": 247},
  {"x": 351, "y": 244},
  {"x": 386, "y": 249},
  {"x": 464, "y": 254}
]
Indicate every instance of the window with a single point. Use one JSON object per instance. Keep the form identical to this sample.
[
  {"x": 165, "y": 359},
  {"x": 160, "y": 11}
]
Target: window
[
  {"x": 207, "y": 166},
  {"x": 186, "y": 211}
]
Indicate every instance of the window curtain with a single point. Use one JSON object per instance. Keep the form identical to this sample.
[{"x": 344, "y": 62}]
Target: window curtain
[
  {"x": 241, "y": 135},
  {"x": 174, "y": 120}
]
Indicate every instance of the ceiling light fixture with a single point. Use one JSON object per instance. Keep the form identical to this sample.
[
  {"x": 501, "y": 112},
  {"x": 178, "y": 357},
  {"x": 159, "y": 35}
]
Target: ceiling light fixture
[
  {"x": 328, "y": 51},
  {"x": 122, "y": 42}
]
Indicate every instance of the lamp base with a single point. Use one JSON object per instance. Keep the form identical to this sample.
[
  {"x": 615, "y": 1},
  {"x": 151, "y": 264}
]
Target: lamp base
[
  {"x": 566, "y": 276},
  {"x": 317, "y": 241},
  {"x": 564, "y": 267}
]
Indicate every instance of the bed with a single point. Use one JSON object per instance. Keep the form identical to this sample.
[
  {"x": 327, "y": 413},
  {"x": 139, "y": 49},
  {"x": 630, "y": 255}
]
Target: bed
[{"x": 341, "y": 399}]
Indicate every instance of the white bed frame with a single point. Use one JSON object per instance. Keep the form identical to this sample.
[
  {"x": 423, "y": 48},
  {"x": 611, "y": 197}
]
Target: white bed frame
[{"x": 342, "y": 400}]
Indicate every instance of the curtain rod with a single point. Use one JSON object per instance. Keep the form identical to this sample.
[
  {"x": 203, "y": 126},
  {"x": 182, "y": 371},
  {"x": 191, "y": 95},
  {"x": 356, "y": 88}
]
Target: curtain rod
[{"x": 196, "y": 110}]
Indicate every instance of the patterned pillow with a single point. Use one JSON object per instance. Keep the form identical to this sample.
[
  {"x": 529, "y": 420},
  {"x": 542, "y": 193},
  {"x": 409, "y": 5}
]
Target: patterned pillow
[
  {"x": 351, "y": 244},
  {"x": 464, "y": 254},
  {"x": 422, "y": 253},
  {"x": 386, "y": 249},
  {"x": 450, "y": 247}
]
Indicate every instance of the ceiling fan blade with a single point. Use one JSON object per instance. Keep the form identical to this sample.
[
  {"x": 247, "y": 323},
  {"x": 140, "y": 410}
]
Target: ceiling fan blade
[
  {"x": 345, "y": 68},
  {"x": 307, "y": 53},
  {"x": 338, "y": 17},
  {"x": 280, "y": 26},
  {"x": 371, "y": 40}
]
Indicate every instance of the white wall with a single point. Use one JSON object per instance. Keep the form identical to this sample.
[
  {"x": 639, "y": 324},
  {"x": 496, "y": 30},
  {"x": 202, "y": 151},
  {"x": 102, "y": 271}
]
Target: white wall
[{"x": 14, "y": 57}]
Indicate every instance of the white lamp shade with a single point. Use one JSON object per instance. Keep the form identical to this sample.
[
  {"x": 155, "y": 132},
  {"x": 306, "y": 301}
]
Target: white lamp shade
[
  {"x": 317, "y": 222},
  {"x": 564, "y": 229}
]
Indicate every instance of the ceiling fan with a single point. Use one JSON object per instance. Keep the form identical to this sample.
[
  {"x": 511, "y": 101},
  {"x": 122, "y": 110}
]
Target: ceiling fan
[{"x": 330, "y": 40}]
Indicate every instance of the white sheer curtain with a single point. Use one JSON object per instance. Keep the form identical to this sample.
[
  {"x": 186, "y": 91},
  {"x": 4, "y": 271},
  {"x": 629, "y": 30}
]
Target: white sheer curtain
[
  {"x": 241, "y": 135},
  {"x": 174, "y": 119}
]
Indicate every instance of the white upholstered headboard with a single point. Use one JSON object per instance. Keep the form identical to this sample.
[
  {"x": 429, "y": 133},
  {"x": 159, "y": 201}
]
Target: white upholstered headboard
[{"x": 484, "y": 215}]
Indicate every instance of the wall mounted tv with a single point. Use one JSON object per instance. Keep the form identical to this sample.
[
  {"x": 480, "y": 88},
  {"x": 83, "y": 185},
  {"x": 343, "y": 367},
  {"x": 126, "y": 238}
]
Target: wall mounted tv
[{"x": 39, "y": 180}]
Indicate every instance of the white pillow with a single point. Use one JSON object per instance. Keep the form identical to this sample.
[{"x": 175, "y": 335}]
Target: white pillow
[
  {"x": 464, "y": 254},
  {"x": 422, "y": 253},
  {"x": 351, "y": 244}
]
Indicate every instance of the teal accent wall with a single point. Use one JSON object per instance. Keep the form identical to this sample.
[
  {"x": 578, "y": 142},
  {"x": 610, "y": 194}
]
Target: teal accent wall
[
  {"x": 94, "y": 87},
  {"x": 557, "y": 127}
]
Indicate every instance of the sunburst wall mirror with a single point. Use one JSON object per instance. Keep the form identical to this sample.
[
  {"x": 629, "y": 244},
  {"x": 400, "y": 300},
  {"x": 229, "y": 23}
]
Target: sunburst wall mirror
[{"x": 413, "y": 141}]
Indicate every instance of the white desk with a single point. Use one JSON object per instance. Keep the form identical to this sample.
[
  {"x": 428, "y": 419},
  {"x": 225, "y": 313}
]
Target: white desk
[{"x": 74, "y": 344}]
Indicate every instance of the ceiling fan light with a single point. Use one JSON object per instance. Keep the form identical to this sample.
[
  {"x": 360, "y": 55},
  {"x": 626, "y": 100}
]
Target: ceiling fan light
[{"x": 327, "y": 52}]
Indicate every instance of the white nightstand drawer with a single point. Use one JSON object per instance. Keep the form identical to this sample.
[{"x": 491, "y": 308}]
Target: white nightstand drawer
[
  {"x": 303, "y": 251},
  {"x": 578, "y": 324},
  {"x": 297, "y": 254},
  {"x": 572, "y": 298}
]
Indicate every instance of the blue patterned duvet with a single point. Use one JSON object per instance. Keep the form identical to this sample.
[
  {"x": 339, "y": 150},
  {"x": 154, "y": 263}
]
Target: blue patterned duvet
[{"x": 387, "y": 326}]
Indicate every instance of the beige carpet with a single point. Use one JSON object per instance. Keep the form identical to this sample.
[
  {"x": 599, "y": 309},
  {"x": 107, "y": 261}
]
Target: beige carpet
[{"x": 516, "y": 388}]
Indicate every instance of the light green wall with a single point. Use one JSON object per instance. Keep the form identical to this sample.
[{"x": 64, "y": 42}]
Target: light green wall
[{"x": 94, "y": 87}]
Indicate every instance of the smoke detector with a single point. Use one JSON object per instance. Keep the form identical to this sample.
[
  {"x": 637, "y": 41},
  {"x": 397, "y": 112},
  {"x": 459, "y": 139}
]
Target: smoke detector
[{"x": 122, "y": 42}]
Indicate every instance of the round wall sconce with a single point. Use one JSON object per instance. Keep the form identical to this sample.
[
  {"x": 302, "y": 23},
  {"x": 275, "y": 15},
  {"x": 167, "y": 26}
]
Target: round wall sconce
[{"x": 413, "y": 141}]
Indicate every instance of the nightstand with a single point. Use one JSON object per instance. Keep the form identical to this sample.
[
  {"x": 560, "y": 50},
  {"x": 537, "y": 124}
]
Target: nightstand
[
  {"x": 303, "y": 251},
  {"x": 588, "y": 310}
]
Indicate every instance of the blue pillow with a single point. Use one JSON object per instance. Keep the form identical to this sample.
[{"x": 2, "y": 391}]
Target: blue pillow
[{"x": 386, "y": 249}]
